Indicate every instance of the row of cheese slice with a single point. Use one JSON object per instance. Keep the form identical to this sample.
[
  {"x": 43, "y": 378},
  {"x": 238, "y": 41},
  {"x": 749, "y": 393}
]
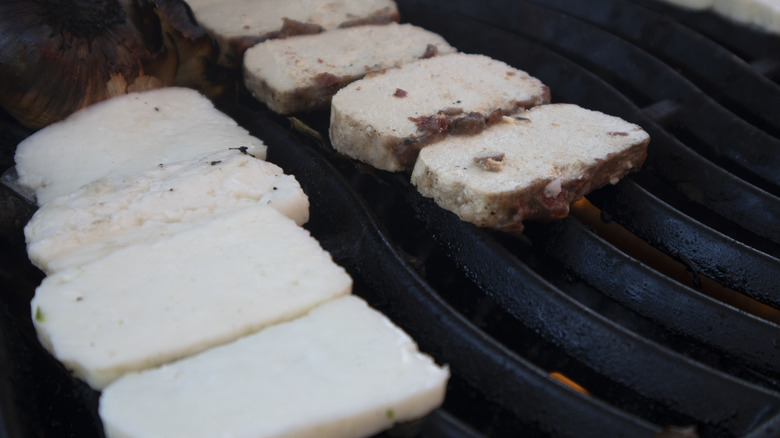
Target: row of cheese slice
[{"x": 181, "y": 284}]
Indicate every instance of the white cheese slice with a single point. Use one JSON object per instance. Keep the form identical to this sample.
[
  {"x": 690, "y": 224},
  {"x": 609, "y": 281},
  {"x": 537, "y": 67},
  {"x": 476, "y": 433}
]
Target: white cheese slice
[
  {"x": 303, "y": 73},
  {"x": 239, "y": 24},
  {"x": 764, "y": 14},
  {"x": 124, "y": 135},
  {"x": 110, "y": 213},
  {"x": 155, "y": 302},
  {"x": 344, "y": 370},
  {"x": 372, "y": 117}
]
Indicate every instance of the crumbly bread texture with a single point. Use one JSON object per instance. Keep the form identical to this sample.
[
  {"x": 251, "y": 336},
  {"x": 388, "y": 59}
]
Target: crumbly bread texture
[
  {"x": 155, "y": 302},
  {"x": 302, "y": 73},
  {"x": 111, "y": 213},
  {"x": 125, "y": 135},
  {"x": 240, "y": 24},
  {"x": 341, "y": 371},
  {"x": 385, "y": 119},
  {"x": 530, "y": 166}
]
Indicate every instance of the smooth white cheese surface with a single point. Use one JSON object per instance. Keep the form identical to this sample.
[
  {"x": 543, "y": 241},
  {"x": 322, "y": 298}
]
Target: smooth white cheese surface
[
  {"x": 344, "y": 370},
  {"x": 110, "y": 213},
  {"x": 124, "y": 135},
  {"x": 764, "y": 14},
  {"x": 154, "y": 302}
]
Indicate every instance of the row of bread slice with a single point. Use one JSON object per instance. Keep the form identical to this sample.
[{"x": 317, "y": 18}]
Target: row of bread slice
[
  {"x": 237, "y": 25},
  {"x": 503, "y": 154},
  {"x": 181, "y": 284},
  {"x": 482, "y": 139},
  {"x": 295, "y": 55}
]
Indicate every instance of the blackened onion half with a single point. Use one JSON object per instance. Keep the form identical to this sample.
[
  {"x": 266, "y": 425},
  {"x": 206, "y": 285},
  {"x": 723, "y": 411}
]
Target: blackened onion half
[{"x": 57, "y": 57}]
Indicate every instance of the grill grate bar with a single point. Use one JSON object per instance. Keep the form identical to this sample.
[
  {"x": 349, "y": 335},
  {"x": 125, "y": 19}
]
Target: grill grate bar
[
  {"x": 727, "y": 261},
  {"x": 390, "y": 285},
  {"x": 748, "y": 43},
  {"x": 711, "y": 67},
  {"x": 677, "y": 308},
  {"x": 719, "y": 135},
  {"x": 692, "y": 390},
  {"x": 695, "y": 177}
]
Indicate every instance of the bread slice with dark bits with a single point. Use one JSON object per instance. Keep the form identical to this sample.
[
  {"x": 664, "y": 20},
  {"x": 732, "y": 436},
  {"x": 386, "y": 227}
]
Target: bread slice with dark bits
[
  {"x": 531, "y": 166},
  {"x": 303, "y": 73},
  {"x": 240, "y": 24},
  {"x": 385, "y": 119}
]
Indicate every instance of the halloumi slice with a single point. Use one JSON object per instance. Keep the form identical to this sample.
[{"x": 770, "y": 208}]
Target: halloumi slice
[
  {"x": 385, "y": 119},
  {"x": 155, "y": 302},
  {"x": 344, "y": 370},
  {"x": 125, "y": 135},
  {"x": 303, "y": 73},
  {"x": 110, "y": 213}
]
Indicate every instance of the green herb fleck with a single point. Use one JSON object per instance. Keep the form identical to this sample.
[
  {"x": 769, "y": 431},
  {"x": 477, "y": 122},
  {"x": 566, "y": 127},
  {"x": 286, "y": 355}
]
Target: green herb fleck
[
  {"x": 389, "y": 414},
  {"x": 39, "y": 317}
]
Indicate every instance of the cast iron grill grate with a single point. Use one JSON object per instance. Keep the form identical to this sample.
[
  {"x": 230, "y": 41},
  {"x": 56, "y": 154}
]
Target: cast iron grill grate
[{"x": 659, "y": 296}]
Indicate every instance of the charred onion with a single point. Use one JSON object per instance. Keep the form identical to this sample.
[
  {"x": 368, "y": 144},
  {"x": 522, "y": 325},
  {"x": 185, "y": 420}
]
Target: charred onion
[{"x": 57, "y": 57}]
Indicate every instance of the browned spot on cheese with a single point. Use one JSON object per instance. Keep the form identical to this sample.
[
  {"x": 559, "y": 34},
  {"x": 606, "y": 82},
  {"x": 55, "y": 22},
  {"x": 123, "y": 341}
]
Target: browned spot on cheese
[{"x": 400, "y": 93}]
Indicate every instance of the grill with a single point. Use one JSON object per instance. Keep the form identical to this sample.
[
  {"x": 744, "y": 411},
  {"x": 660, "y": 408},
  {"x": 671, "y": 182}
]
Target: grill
[{"x": 659, "y": 296}]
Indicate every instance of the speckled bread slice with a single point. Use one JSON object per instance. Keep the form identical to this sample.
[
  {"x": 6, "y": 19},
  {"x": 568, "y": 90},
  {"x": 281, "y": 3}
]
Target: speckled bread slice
[
  {"x": 385, "y": 119},
  {"x": 302, "y": 73},
  {"x": 124, "y": 135},
  {"x": 112, "y": 213},
  {"x": 530, "y": 166},
  {"x": 240, "y": 24},
  {"x": 155, "y": 302},
  {"x": 342, "y": 371}
]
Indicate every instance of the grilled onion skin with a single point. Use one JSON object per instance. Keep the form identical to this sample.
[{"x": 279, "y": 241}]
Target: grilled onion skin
[{"x": 57, "y": 57}]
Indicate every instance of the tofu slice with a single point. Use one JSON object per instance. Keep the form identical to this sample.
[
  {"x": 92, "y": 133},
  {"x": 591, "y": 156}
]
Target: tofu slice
[
  {"x": 302, "y": 73},
  {"x": 385, "y": 119},
  {"x": 156, "y": 302},
  {"x": 125, "y": 135},
  {"x": 111, "y": 213},
  {"x": 344, "y": 370},
  {"x": 239, "y": 24},
  {"x": 531, "y": 166}
]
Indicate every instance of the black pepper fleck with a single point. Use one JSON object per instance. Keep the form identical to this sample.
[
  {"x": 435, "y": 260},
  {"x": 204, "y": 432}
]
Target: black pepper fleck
[{"x": 244, "y": 150}]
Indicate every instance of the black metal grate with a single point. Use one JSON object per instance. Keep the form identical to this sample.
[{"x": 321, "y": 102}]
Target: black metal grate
[{"x": 659, "y": 295}]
